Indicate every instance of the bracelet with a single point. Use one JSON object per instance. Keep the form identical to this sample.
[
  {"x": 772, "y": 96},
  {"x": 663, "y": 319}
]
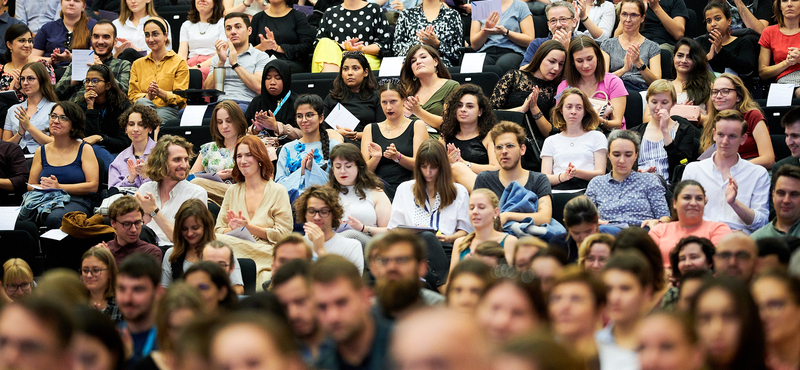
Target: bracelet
[
  {"x": 362, "y": 227},
  {"x": 399, "y": 156},
  {"x": 584, "y": 19},
  {"x": 538, "y": 115},
  {"x": 559, "y": 178}
]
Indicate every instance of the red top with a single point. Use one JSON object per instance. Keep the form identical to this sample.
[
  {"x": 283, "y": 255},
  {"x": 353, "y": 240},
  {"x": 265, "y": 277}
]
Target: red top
[
  {"x": 773, "y": 39},
  {"x": 749, "y": 149}
]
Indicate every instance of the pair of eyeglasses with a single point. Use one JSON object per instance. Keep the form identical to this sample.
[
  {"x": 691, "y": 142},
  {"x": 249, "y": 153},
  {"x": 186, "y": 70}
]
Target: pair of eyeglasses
[
  {"x": 741, "y": 256},
  {"x": 556, "y": 21},
  {"x": 309, "y": 115},
  {"x": 127, "y": 225},
  {"x": 29, "y": 79},
  {"x": 62, "y": 118},
  {"x": 720, "y": 92},
  {"x": 507, "y": 146},
  {"x": 92, "y": 81},
  {"x": 91, "y": 272},
  {"x": 311, "y": 212},
  {"x": 11, "y": 288},
  {"x": 631, "y": 16}
]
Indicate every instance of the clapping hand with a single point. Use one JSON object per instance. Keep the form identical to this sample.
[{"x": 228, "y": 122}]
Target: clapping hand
[
  {"x": 532, "y": 102},
  {"x": 569, "y": 173},
  {"x": 136, "y": 167},
  {"x": 49, "y": 182},
  {"x": 491, "y": 21},
  {"x": 374, "y": 150},
  {"x": 308, "y": 160},
  {"x": 731, "y": 191},
  {"x": 793, "y": 56},
  {"x": 265, "y": 120},
  {"x": 24, "y": 121},
  {"x": 268, "y": 40},
  {"x": 453, "y": 153},
  {"x": 353, "y": 45},
  {"x": 428, "y": 37},
  {"x": 715, "y": 36},
  {"x": 398, "y": 6},
  {"x": 123, "y": 44},
  {"x": 411, "y": 105},
  {"x": 391, "y": 153},
  {"x": 222, "y": 50},
  {"x": 152, "y": 90},
  {"x": 236, "y": 220},
  {"x": 14, "y": 78},
  {"x": 57, "y": 56},
  {"x": 583, "y": 9},
  {"x": 346, "y": 132}
]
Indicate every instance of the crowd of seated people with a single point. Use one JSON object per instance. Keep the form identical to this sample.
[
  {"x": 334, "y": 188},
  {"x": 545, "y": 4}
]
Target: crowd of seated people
[{"x": 474, "y": 225}]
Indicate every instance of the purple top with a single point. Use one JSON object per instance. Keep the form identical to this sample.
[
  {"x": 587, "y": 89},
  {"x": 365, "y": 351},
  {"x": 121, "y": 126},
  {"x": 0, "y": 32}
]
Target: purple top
[
  {"x": 118, "y": 172},
  {"x": 611, "y": 85}
]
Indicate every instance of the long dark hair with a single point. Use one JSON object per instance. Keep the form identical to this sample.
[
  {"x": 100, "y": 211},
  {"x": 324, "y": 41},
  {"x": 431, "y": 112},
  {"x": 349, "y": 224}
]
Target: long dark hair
[
  {"x": 76, "y": 117},
  {"x": 705, "y": 245},
  {"x": 369, "y": 85},
  {"x": 366, "y": 180},
  {"x": 219, "y": 277},
  {"x": 433, "y": 153},
  {"x": 450, "y": 125},
  {"x": 216, "y": 13},
  {"x": 12, "y": 33},
  {"x": 316, "y": 104},
  {"x": 409, "y": 80},
  {"x": 698, "y": 86},
  {"x": 114, "y": 95},
  {"x": 542, "y": 53}
]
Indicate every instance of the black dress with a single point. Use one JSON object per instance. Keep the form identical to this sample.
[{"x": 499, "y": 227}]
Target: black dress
[
  {"x": 364, "y": 110},
  {"x": 472, "y": 150},
  {"x": 393, "y": 173}
]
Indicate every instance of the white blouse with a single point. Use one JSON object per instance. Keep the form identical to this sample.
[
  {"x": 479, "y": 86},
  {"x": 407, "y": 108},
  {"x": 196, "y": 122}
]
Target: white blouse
[
  {"x": 604, "y": 17},
  {"x": 135, "y": 34},
  {"x": 448, "y": 220},
  {"x": 360, "y": 209},
  {"x": 202, "y": 37}
]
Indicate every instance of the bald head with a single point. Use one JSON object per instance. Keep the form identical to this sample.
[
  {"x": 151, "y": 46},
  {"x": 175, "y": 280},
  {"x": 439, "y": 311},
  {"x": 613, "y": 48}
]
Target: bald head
[
  {"x": 736, "y": 256},
  {"x": 425, "y": 338}
]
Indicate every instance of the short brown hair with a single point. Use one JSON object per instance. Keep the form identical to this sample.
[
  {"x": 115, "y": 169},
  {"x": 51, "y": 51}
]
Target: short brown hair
[
  {"x": 586, "y": 247},
  {"x": 324, "y": 193},
  {"x": 150, "y": 118},
  {"x": 157, "y": 163},
  {"x": 218, "y": 244},
  {"x": 662, "y": 86},
  {"x": 577, "y": 44},
  {"x": 332, "y": 267},
  {"x": 293, "y": 238},
  {"x": 259, "y": 151},
  {"x": 731, "y": 115},
  {"x": 383, "y": 242},
  {"x": 124, "y": 205},
  {"x": 505, "y": 127},
  {"x": 574, "y": 274},
  {"x": 236, "y": 116}
]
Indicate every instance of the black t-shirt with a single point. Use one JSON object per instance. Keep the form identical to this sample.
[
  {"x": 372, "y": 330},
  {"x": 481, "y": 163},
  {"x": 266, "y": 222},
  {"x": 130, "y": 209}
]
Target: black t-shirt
[
  {"x": 364, "y": 110},
  {"x": 654, "y": 30},
  {"x": 537, "y": 183},
  {"x": 763, "y": 11},
  {"x": 739, "y": 55}
]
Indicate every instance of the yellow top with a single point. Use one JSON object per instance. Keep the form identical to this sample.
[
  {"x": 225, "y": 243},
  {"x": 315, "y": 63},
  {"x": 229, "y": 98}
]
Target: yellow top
[{"x": 172, "y": 73}]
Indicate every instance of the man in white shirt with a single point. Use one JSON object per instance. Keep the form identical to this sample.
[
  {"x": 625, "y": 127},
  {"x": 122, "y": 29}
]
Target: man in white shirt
[
  {"x": 167, "y": 168},
  {"x": 222, "y": 254},
  {"x": 737, "y": 190}
]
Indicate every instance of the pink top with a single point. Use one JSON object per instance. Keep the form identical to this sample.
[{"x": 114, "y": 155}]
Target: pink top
[
  {"x": 773, "y": 39},
  {"x": 611, "y": 85},
  {"x": 667, "y": 235}
]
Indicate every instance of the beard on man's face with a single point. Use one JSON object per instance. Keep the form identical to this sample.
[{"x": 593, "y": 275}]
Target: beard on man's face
[{"x": 397, "y": 295}]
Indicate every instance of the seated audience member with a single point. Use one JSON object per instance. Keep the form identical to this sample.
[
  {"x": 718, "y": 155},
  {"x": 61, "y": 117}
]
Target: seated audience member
[
  {"x": 561, "y": 22},
  {"x": 630, "y": 287},
  {"x": 399, "y": 288},
  {"x": 319, "y": 211},
  {"x": 367, "y": 208},
  {"x": 737, "y": 189},
  {"x": 586, "y": 71},
  {"x": 627, "y": 197},
  {"x": 581, "y": 221},
  {"x": 99, "y": 276},
  {"x": 781, "y": 327},
  {"x": 509, "y": 141},
  {"x": 465, "y": 131},
  {"x": 427, "y": 84},
  {"x": 773, "y": 254},
  {"x": 334, "y": 279},
  {"x": 690, "y": 283},
  {"x": 130, "y": 29},
  {"x": 510, "y": 307},
  {"x": 691, "y": 254},
  {"x": 17, "y": 279},
  {"x": 576, "y": 306},
  {"x": 371, "y": 36},
  {"x": 96, "y": 338},
  {"x": 26, "y": 122},
  {"x": 24, "y": 13},
  {"x": 729, "y": 92},
  {"x": 431, "y": 23},
  {"x": 256, "y": 203},
  {"x": 14, "y": 174},
  {"x": 724, "y": 50},
  {"x": 689, "y": 201},
  {"x": 227, "y": 127},
  {"x": 222, "y": 254},
  {"x": 466, "y": 284},
  {"x": 311, "y": 152},
  {"x": 251, "y": 9},
  {"x": 292, "y": 287},
  {"x": 785, "y": 190},
  {"x": 665, "y": 142},
  {"x": 526, "y": 248},
  {"x": 199, "y": 34},
  {"x": 161, "y": 197},
  {"x": 778, "y": 57},
  {"x": 531, "y": 89},
  {"x": 292, "y": 246},
  {"x": 155, "y": 77},
  {"x": 356, "y": 89},
  {"x": 547, "y": 264},
  {"x": 272, "y": 111},
  {"x": 180, "y": 305},
  {"x": 244, "y": 64},
  {"x": 594, "y": 252},
  {"x": 71, "y": 167},
  {"x": 597, "y": 19},
  {"x": 693, "y": 79},
  {"x": 137, "y": 291},
  {"x": 56, "y": 40},
  {"x": 284, "y": 33},
  {"x": 391, "y": 156},
  {"x": 484, "y": 215},
  {"x": 636, "y": 238},
  {"x": 490, "y": 253},
  {"x": 219, "y": 296},
  {"x": 263, "y": 338},
  {"x": 744, "y": 344},
  {"x": 104, "y": 37},
  {"x": 632, "y": 56},
  {"x": 16, "y": 55},
  {"x": 126, "y": 215},
  {"x": 48, "y": 325},
  {"x": 664, "y": 23},
  {"x": 129, "y": 167},
  {"x": 537, "y": 352},
  {"x": 504, "y": 35},
  {"x": 666, "y": 329},
  {"x": 569, "y": 167},
  {"x": 103, "y": 101},
  {"x": 432, "y": 200},
  {"x": 736, "y": 256},
  {"x": 791, "y": 127}
]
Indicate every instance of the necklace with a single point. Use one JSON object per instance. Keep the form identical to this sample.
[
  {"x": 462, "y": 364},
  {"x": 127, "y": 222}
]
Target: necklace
[
  {"x": 389, "y": 128},
  {"x": 203, "y": 31}
]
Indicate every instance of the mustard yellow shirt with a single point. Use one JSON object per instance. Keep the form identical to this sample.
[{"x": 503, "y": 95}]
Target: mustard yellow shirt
[{"x": 172, "y": 73}]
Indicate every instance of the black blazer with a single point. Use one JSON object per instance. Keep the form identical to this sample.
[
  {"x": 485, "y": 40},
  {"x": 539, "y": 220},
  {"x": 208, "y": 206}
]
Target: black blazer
[{"x": 682, "y": 147}]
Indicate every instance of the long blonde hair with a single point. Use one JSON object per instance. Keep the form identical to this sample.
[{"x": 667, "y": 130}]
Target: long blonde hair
[
  {"x": 467, "y": 241},
  {"x": 745, "y": 105}
]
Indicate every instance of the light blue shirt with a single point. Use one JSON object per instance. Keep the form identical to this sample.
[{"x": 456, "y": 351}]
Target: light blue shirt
[
  {"x": 638, "y": 198},
  {"x": 510, "y": 19},
  {"x": 40, "y": 120},
  {"x": 252, "y": 60}
]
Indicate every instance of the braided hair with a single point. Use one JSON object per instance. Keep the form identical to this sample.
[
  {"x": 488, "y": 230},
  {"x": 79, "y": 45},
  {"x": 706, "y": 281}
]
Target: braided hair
[{"x": 315, "y": 102}]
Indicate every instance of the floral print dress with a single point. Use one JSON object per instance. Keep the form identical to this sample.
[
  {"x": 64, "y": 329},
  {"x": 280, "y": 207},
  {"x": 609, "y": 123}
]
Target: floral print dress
[
  {"x": 216, "y": 159},
  {"x": 6, "y": 79}
]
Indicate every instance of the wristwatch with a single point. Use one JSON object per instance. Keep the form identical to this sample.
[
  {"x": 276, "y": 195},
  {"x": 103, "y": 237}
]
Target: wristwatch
[
  {"x": 234, "y": 66},
  {"x": 507, "y": 30},
  {"x": 154, "y": 213},
  {"x": 642, "y": 68}
]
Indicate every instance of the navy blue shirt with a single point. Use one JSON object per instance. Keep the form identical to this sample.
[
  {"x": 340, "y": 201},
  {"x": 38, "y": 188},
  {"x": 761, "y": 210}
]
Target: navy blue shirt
[
  {"x": 53, "y": 35},
  {"x": 5, "y": 22},
  {"x": 377, "y": 358}
]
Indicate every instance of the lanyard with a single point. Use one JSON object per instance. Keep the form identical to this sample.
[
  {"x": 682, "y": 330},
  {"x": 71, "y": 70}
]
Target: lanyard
[
  {"x": 151, "y": 340},
  {"x": 280, "y": 105}
]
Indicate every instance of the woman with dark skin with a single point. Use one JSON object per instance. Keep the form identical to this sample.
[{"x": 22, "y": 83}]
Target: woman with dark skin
[{"x": 356, "y": 89}]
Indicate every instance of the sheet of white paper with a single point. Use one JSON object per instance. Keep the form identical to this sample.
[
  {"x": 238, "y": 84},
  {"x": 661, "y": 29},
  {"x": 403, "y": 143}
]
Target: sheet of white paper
[
  {"x": 482, "y": 9},
  {"x": 80, "y": 63},
  {"x": 55, "y": 234},
  {"x": 29, "y": 156},
  {"x": 780, "y": 95},
  {"x": 341, "y": 117},
  {"x": 391, "y": 67},
  {"x": 8, "y": 217},
  {"x": 193, "y": 115},
  {"x": 241, "y": 233},
  {"x": 35, "y": 187},
  {"x": 473, "y": 63},
  {"x": 208, "y": 176}
]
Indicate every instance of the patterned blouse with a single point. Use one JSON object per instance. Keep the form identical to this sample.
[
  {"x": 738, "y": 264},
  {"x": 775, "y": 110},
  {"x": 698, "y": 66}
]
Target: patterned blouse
[
  {"x": 112, "y": 310},
  {"x": 515, "y": 86},
  {"x": 654, "y": 153},
  {"x": 368, "y": 24},
  {"x": 6, "y": 79},
  {"x": 447, "y": 27},
  {"x": 216, "y": 159},
  {"x": 638, "y": 198}
]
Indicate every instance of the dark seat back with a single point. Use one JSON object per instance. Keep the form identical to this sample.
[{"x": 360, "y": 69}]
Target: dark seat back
[
  {"x": 249, "y": 274},
  {"x": 779, "y": 147}
]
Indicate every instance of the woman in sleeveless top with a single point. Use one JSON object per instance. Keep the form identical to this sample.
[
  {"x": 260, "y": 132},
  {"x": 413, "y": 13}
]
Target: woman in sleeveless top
[
  {"x": 388, "y": 147},
  {"x": 484, "y": 214},
  {"x": 465, "y": 131},
  {"x": 72, "y": 166}
]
